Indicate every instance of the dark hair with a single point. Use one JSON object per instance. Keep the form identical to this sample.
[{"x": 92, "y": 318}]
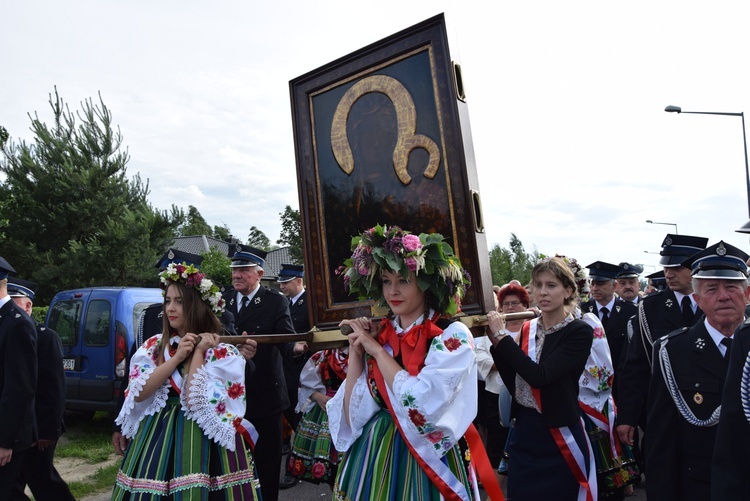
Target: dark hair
[
  {"x": 561, "y": 271},
  {"x": 198, "y": 315},
  {"x": 514, "y": 290}
]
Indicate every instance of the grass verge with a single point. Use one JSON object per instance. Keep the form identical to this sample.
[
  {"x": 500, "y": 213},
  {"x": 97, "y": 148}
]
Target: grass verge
[{"x": 89, "y": 439}]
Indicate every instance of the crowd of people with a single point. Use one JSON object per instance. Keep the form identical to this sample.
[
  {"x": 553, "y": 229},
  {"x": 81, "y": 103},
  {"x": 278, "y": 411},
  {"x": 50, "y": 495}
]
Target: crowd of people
[{"x": 581, "y": 386}]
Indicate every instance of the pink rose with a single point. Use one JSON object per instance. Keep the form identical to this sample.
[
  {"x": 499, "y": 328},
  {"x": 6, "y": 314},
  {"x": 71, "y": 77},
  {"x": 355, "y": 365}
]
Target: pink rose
[
  {"x": 318, "y": 470},
  {"x": 221, "y": 408},
  {"x": 435, "y": 436},
  {"x": 411, "y": 243},
  {"x": 411, "y": 263}
]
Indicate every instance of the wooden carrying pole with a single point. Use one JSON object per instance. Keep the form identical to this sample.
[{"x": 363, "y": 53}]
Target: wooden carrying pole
[{"x": 321, "y": 340}]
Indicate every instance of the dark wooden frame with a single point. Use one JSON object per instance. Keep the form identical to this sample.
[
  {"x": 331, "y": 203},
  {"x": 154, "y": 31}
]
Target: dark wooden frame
[{"x": 465, "y": 228}]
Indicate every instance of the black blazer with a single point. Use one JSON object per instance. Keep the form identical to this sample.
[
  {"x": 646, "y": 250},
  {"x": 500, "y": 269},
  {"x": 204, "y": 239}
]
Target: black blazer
[
  {"x": 560, "y": 367},
  {"x": 50, "y": 393},
  {"x": 300, "y": 314},
  {"x": 17, "y": 362},
  {"x": 267, "y": 313},
  {"x": 731, "y": 461},
  {"x": 679, "y": 454}
]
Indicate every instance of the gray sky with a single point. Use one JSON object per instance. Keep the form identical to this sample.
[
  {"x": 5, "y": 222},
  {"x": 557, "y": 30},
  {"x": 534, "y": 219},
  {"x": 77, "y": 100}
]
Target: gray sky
[{"x": 574, "y": 151}]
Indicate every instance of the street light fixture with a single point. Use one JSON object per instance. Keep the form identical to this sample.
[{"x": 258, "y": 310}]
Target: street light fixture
[
  {"x": 668, "y": 224},
  {"x": 676, "y": 109}
]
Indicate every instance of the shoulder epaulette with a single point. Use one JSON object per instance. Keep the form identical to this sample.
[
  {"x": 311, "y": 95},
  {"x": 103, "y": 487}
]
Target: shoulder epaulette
[{"x": 675, "y": 333}]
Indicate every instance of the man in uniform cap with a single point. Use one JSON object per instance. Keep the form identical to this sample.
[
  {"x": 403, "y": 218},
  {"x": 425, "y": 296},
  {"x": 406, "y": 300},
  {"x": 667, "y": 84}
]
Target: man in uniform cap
[
  {"x": 690, "y": 365},
  {"x": 38, "y": 470},
  {"x": 612, "y": 310},
  {"x": 259, "y": 310},
  {"x": 656, "y": 281},
  {"x": 658, "y": 314},
  {"x": 730, "y": 480},
  {"x": 290, "y": 281},
  {"x": 18, "y": 380},
  {"x": 628, "y": 284}
]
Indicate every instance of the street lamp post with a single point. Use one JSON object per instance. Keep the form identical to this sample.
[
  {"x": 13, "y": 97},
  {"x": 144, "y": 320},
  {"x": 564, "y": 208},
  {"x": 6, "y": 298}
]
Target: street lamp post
[
  {"x": 676, "y": 109},
  {"x": 668, "y": 224}
]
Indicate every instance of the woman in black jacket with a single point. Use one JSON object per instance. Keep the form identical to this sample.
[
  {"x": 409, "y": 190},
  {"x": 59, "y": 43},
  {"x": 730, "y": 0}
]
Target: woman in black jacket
[{"x": 550, "y": 454}]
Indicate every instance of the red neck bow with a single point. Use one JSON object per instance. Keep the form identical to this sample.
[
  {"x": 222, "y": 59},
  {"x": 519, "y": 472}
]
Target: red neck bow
[{"x": 412, "y": 345}]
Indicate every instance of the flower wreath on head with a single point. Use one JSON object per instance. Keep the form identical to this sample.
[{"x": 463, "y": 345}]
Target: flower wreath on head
[
  {"x": 428, "y": 256},
  {"x": 579, "y": 273},
  {"x": 190, "y": 276}
]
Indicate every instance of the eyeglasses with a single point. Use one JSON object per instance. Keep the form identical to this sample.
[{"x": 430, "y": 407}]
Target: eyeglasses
[{"x": 512, "y": 304}]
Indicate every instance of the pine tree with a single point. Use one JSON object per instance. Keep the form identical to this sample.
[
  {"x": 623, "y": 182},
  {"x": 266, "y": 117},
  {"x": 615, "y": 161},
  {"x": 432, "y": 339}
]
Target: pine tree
[{"x": 74, "y": 218}]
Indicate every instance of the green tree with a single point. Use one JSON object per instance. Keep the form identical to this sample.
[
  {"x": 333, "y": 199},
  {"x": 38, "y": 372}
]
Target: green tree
[
  {"x": 291, "y": 234},
  {"x": 74, "y": 218},
  {"x": 258, "y": 239},
  {"x": 194, "y": 224},
  {"x": 513, "y": 263},
  {"x": 222, "y": 232},
  {"x": 215, "y": 265}
]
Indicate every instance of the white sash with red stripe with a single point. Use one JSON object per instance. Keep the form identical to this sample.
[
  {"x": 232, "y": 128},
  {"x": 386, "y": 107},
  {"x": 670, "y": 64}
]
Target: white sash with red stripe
[{"x": 569, "y": 448}]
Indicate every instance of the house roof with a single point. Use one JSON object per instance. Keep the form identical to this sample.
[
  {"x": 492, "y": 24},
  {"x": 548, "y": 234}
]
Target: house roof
[{"x": 198, "y": 244}]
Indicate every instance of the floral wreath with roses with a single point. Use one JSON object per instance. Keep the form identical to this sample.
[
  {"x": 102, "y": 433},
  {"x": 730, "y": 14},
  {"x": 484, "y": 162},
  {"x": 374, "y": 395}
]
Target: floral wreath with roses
[
  {"x": 190, "y": 276},
  {"x": 431, "y": 259}
]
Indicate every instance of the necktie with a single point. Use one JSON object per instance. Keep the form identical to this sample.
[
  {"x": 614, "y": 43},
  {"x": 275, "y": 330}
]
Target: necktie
[
  {"x": 605, "y": 315},
  {"x": 687, "y": 311},
  {"x": 245, "y": 301},
  {"x": 728, "y": 343}
]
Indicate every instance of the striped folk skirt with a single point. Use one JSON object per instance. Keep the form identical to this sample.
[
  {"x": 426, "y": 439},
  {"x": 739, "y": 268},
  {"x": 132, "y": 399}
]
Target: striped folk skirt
[
  {"x": 313, "y": 456},
  {"x": 171, "y": 458},
  {"x": 379, "y": 466}
]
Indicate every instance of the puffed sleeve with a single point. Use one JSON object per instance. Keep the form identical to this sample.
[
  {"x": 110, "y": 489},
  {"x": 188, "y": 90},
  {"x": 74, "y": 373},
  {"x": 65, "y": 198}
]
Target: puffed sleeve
[
  {"x": 310, "y": 381},
  {"x": 216, "y": 400},
  {"x": 598, "y": 374},
  {"x": 361, "y": 408},
  {"x": 142, "y": 365},
  {"x": 438, "y": 404}
]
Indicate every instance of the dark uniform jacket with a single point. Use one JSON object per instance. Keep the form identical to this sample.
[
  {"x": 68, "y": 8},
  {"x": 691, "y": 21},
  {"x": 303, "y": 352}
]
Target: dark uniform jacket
[
  {"x": 658, "y": 314},
  {"x": 18, "y": 377},
  {"x": 267, "y": 313},
  {"x": 730, "y": 477},
  {"x": 678, "y": 460},
  {"x": 50, "y": 392},
  {"x": 560, "y": 366}
]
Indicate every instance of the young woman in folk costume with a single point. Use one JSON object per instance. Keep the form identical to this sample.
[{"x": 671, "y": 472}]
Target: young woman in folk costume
[
  {"x": 550, "y": 453},
  {"x": 313, "y": 457},
  {"x": 410, "y": 392},
  {"x": 185, "y": 403}
]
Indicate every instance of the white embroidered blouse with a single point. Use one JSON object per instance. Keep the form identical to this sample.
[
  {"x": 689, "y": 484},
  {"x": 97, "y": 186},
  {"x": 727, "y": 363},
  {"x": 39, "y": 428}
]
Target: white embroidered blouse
[{"x": 217, "y": 392}]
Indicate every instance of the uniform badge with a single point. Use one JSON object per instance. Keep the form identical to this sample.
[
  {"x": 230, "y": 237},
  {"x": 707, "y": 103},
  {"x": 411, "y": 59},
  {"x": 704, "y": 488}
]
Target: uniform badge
[
  {"x": 617, "y": 308},
  {"x": 18, "y": 315},
  {"x": 300, "y": 301},
  {"x": 231, "y": 302},
  {"x": 721, "y": 250},
  {"x": 668, "y": 241},
  {"x": 256, "y": 300},
  {"x": 700, "y": 343},
  {"x": 669, "y": 303},
  {"x": 698, "y": 398},
  {"x": 170, "y": 254}
]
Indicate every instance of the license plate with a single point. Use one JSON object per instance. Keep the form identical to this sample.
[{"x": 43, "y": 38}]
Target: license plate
[{"x": 69, "y": 364}]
